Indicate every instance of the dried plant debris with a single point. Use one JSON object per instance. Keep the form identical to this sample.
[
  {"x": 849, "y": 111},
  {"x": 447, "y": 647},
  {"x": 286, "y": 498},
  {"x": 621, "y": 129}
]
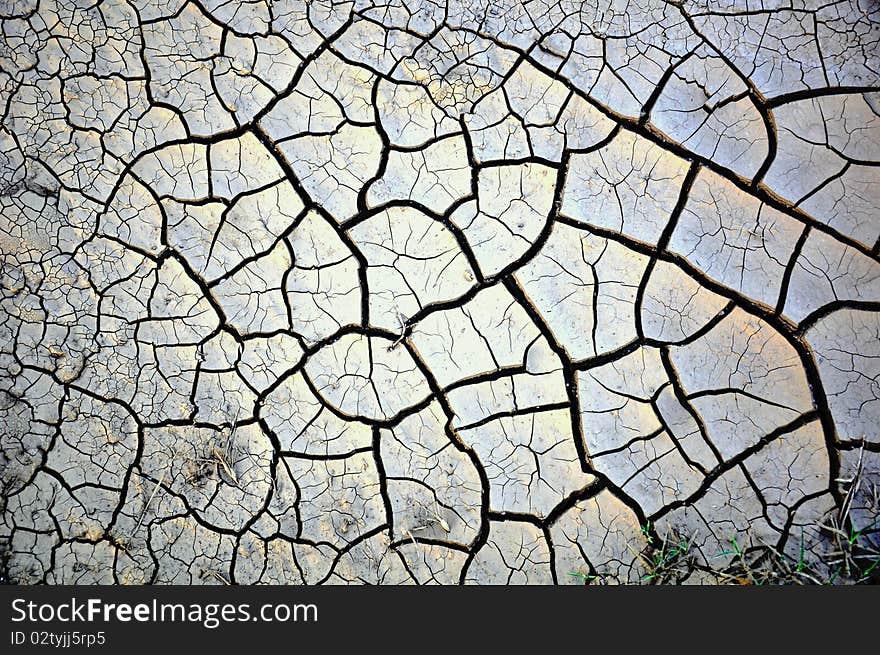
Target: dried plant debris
[{"x": 423, "y": 291}]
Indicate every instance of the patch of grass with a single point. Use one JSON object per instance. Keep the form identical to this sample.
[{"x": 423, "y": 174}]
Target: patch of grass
[
  {"x": 668, "y": 562},
  {"x": 849, "y": 556},
  {"x": 585, "y": 578},
  {"x": 855, "y": 557},
  {"x": 763, "y": 565},
  {"x": 855, "y": 554},
  {"x": 836, "y": 553}
]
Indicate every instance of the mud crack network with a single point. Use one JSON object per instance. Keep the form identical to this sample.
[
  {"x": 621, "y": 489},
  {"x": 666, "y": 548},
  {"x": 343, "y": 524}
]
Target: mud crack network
[{"x": 438, "y": 292}]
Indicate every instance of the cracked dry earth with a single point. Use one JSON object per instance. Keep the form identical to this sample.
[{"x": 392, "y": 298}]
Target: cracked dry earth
[{"x": 434, "y": 292}]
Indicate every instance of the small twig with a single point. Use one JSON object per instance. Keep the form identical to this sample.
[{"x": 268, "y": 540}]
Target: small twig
[
  {"x": 401, "y": 319},
  {"x": 215, "y": 574},
  {"x": 149, "y": 500},
  {"x": 221, "y": 460}
]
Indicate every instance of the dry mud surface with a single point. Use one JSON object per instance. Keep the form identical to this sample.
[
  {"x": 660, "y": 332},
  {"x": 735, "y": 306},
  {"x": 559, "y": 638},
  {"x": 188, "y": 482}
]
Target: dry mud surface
[{"x": 436, "y": 292}]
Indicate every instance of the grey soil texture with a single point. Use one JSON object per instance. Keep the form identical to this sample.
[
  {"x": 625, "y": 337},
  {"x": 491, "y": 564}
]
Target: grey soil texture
[{"x": 426, "y": 291}]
